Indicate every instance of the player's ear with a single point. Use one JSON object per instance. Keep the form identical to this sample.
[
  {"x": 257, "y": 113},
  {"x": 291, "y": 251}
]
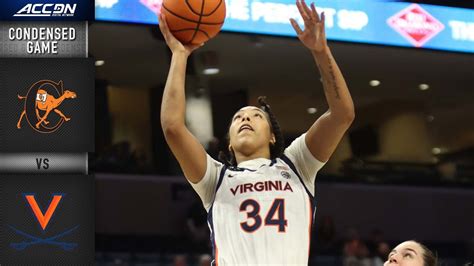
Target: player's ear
[
  {"x": 272, "y": 139},
  {"x": 230, "y": 148}
]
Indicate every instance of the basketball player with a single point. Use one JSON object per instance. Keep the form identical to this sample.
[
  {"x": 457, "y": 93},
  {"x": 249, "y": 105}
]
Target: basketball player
[
  {"x": 411, "y": 253},
  {"x": 260, "y": 199}
]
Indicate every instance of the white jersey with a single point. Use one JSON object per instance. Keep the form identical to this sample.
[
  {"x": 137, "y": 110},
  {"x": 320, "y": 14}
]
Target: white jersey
[{"x": 261, "y": 212}]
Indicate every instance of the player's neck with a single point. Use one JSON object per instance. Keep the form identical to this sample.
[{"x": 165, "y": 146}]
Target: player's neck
[{"x": 240, "y": 157}]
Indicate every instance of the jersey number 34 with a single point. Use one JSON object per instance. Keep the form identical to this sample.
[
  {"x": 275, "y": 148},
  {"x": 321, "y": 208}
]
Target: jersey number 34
[{"x": 254, "y": 220}]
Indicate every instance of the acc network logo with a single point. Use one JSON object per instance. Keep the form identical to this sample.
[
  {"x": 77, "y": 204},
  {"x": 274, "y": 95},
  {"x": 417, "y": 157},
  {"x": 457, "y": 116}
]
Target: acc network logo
[
  {"x": 43, "y": 219},
  {"x": 42, "y": 100},
  {"x": 47, "y": 10}
]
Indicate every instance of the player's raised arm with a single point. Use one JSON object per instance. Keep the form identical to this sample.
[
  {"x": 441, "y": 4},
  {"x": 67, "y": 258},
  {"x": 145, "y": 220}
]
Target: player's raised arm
[
  {"x": 185, "y": 147},
  {"x": 325, "y": 134}
]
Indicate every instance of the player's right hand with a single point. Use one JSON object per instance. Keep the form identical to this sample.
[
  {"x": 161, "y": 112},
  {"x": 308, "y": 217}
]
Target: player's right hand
[{"x": 174, "y": 44}]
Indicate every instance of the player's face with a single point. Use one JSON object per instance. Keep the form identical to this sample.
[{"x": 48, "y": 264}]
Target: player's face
[
  {"x": 250, "y": 131},
  {"x": 408, "y": 253}
]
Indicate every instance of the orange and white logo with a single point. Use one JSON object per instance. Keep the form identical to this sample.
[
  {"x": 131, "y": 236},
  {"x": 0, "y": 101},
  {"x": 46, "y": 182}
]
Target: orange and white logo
[{"x": 42, "y": 99}]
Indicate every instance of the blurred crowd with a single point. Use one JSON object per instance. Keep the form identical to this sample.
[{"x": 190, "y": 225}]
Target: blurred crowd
[
  {"x": 353, "y": 249},
  {"x": 328, "y": 247},
  {"x": 455, "y": 170}
]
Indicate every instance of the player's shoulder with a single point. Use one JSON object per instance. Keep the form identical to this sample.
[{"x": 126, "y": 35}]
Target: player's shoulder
[
  {"x": 282, "y": 163},
  {"x": 284, "y": 159}
]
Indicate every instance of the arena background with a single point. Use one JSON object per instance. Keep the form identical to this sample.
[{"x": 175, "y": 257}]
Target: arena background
[{"x": 405, "y": 169}]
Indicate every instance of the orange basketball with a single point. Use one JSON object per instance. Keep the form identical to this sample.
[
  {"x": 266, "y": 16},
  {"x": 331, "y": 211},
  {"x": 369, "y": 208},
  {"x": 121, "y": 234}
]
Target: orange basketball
[{"x": 194, "y": 21}]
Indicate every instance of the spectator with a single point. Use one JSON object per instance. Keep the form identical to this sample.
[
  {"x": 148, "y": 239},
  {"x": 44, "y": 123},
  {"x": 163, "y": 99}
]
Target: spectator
[
  {"x": 375, "y": 238},
  {"x": 205, "y": 260},
  {"x": 355, "y": 252},
  {"x": 326, "y": 243},
  {"x": 180, "y": 260},
  {"x": 447, "y": 171},
  {"x": 383, "y": 249},
  {"x": 198, "y": 229}
]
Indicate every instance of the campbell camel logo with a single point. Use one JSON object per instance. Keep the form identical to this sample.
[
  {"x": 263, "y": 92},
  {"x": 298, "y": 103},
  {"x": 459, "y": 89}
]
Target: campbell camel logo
[
  {"x": 43, "y": 219},
  {"x": 40, "y": 102}
]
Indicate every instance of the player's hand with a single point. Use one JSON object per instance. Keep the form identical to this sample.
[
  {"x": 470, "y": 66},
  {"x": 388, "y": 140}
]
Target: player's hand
[
  {"x": 314, "y": 34},
  {"x": 174, "y": 44}
]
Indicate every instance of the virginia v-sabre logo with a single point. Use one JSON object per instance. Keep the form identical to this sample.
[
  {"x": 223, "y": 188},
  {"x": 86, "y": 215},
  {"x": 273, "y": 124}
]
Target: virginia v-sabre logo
[
  {"x": 44, "y": 218},
  {"x": 47, "y": 10}
]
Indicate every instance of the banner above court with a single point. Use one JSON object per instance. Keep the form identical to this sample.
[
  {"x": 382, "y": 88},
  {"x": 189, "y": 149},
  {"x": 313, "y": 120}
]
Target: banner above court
[{"x": 374, "y": 21}]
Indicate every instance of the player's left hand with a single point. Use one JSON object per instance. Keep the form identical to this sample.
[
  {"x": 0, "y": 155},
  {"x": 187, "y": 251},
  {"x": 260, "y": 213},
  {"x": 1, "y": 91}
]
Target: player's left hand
[{"x": 314, "y": 35}]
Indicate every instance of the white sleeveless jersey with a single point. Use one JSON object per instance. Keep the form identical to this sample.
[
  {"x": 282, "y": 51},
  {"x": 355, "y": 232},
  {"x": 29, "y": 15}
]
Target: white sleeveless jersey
[{"x": 261, "y": 212}]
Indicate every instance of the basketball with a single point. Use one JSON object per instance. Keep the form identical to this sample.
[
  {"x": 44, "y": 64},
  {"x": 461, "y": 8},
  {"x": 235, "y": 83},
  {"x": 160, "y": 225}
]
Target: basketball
[{"x": 194, "y": 21}]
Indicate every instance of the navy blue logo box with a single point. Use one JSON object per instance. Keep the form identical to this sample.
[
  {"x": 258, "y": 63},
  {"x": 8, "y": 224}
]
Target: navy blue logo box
[
  {"x": 66, "y": 238},
  {"x": 31, "y": 86}
]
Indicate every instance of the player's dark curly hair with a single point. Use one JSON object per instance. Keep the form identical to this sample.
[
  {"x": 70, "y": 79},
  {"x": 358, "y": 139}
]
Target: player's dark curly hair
[
  {"x": 429, "y": 258},
  {"x": 276, "y": 149}
]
